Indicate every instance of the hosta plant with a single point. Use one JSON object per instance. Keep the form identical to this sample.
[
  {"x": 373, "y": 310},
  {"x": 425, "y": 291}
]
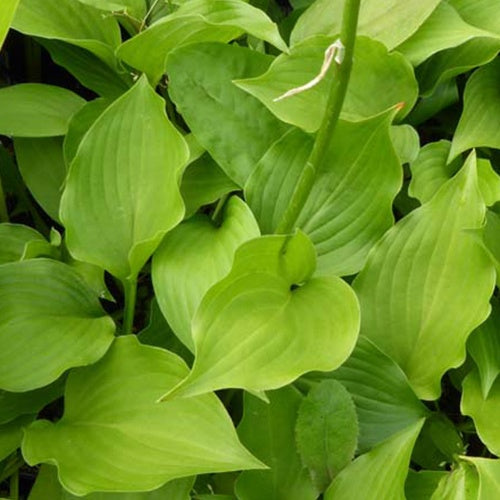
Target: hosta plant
[{"x": 249, "y": 249}]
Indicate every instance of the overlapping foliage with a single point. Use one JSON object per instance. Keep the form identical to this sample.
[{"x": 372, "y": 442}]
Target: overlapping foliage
[{"x": 328, "y": 264}]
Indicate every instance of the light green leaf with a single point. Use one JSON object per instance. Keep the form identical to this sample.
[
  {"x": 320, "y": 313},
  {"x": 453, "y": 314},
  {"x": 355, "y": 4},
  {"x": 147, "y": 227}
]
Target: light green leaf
[
  {"x": 484, "y": 347},
  {"x": 221, "y": 116},
  {"x": 374, "y": 72},
  {"x": 113, "y": 418},
  {"x": 380, "y": 473},
  {"x": 72, "y": 22},
  {"x": 431, "y": 170},
  {"x": 122, "y": 193},
  {"x": 326, "y": 431},
  {"x": 268, "y": 430},
  {"x": 6, "y": 15},
  {"x": 47, "y": 487},
  {"x": 203, "y": 183},
  {"x": 479, "y": 124},
  {"x": 421, "y": 485},
  {"x": 88, "y": 69},
  {"x": 196, "y": 21},
  {"x": 491, "y": 238},
  {"x": 195, "y": 256},
  {"x": 489, "y": 476},
  {"x": 452, "y": 62},
  {"x": 135, "y": 8},
  {"x": 16, "y": 404},
  {"x": 461, "y": 484},
  {"x": 484, "y": 411},
  {"x": 388, "y": 21},
  {"x": 11, "y": 435},
  {"x": 15, "y": 238},
  {"x": 406, "y": 142},
  {"x": 385, "y": 402},
  {"x": 36, "y": 110},
  {"x": 442, "y": 30},
  {"x": 80, "y": 124},
  {"x": 43, "y": 169},
  {"x": 482, "y": 13},
  {"x": 427, "y": 284},
  {"x": 45, "y": 305},
  {"x": 344, "y": 216},
  {"x": 268, "y": 321}
]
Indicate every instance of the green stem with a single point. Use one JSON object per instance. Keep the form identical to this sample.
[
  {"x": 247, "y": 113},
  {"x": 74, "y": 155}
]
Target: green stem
[
  {"x": 336, "y": 98},
  {"x": 14, "y": 486},
  {"x": 219, "y": 207},
  {"x": 130, "y": 291}
]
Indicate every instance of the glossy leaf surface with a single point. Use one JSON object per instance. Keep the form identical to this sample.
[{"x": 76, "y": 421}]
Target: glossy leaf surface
[
  {"x": 6, "y": 15},
  {"x": 380, "y": 473},
  {"x": 221, "y": 116},
  {"x": 195, "y": 256},
  {"x": 427, "y": 284},
  {"x": 268, "y": 430},
  {"x": 327, "y": 431},
  {"x": 385, "y": 402},
  {"x": 139, "y": 442},
  {"x": 45, "y": 304},
  {"x": 462, "y": 482},
  {"x": 387, "y": 22},
  {"x": 489, "y": 476},
  {"x": 269, "y": 321},
  {"x": 37, "y": 110},
  {"x": 374, "y": 72},
  {"x": 15, "y": 239},
  {"x": 196, "y": 21},
  {"x": 122, "y": 193},
  {"x": 135, "y": 8}
]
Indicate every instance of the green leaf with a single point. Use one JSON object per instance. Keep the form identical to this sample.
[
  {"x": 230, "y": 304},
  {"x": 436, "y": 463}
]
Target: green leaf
[
  {"x": 88, "y": 69},
  {"x": 489, "y": 476},
  {"x": 388, "y": 21},
  {"x": 195, "y": 256},
  {"x": 122, "y": 193},
  {"x": 380, "y": 473},
  {"x": 385, "y": 402},
  {"x": 45, "y": 305},
  {"x": 484, "y": 347},
  {"x": 80, "y": 124},
  {"x": 268, "y": 430},
  {"x": 374, "y": 72},
  {"x": 344, "y": 216},
  {"x": 6, "y": 15},
  {"x": 443, "y": 29},
  {"x": 268, "y": 321},
  {"x": 479, "y": 124},
  {"x": 135, "y": 8},
  {"x": 452, "y": 62},
  {"x": 221, "y": 116},
  {"x": 484, "y": 411},
  {"x": 113, "y": 418},
  {"x": 406, "y": 142},
  {"x": 427, "y": 284},
  {"x": 16, "y": 404},
  {"x": 326, "y": 431},
  {"x": 36, "y": 110},
  {"x": 421, "y": 485},
  {"x": 11, "y": 435},
  {"x": 203, "y": 183},
  {"x": 15, "y": 238},
  {"x": 72, "y": 22},
  {"x": 196, "y": 21},
  {"x": 461, "y": 483},
  {"x": 43, "y": 169},
  {"x": 47, "y": 487},
  {"x": 482, "y": 13}
]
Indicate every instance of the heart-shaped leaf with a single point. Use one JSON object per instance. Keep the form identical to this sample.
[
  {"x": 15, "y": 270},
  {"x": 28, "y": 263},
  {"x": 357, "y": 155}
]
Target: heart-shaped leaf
[
  {"x": 45, "y": 305},
  {"x": 192, "y": 258},
  {"x": 114, "y": 421},
  {"x": 427, "y": 284},
  {"x": 122, "y": 192},
  {"x": 268, "y": 321}
]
